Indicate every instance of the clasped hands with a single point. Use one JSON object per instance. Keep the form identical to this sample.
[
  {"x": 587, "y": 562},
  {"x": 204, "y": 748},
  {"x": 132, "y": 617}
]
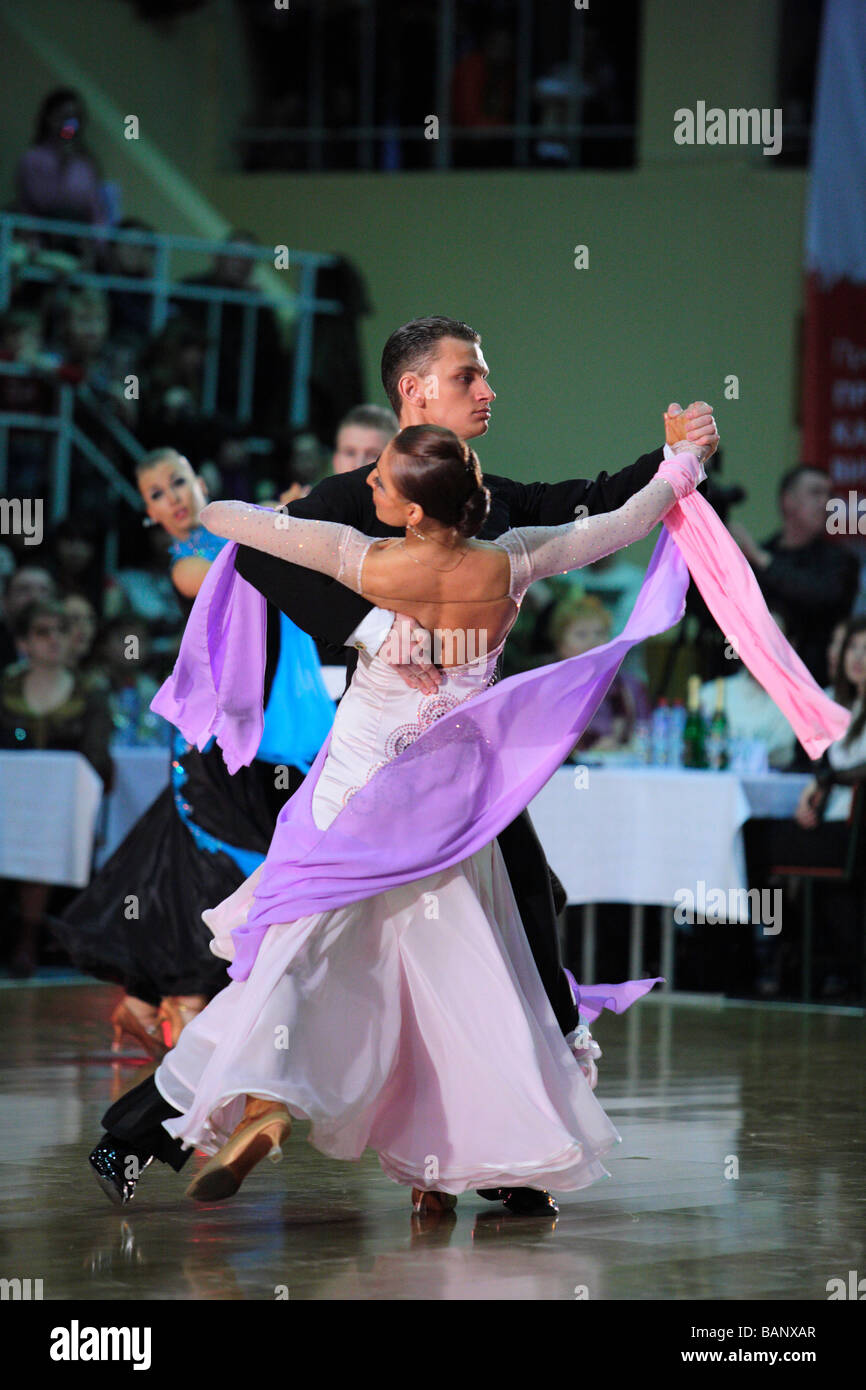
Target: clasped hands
[{"x": 694, "y": 425}]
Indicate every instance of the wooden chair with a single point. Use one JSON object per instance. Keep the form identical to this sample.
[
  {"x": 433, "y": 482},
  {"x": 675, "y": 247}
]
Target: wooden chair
[{"x": 851, "y": 871}]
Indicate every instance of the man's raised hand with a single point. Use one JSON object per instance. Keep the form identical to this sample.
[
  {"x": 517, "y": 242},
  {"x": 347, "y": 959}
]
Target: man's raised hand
[{"x": 695, "y": 424}]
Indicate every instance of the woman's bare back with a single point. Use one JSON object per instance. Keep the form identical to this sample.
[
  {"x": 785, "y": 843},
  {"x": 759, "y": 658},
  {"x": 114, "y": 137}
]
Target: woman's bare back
[{"x": 470, "y": 597}]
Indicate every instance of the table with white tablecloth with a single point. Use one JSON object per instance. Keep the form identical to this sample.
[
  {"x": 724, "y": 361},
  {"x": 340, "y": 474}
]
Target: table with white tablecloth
[
  {"x": 49, "y": 803},
  {"x": 638, "y": 835},
  {"x": 642, "y": 835}
]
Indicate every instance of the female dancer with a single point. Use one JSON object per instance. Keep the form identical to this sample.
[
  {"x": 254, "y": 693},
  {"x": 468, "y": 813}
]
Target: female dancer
[
  {"x": 414, "y": 1021},
  {"x": 139, "y": 921},
  {"x": 383, "y": 985}
]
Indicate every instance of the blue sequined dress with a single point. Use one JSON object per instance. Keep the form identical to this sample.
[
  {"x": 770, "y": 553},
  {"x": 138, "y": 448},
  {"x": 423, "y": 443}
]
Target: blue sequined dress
[{"x": 139, "y": 921}]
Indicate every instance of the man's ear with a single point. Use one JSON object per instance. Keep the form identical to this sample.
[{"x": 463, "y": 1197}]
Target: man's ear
[{"x": 411, "y": 388}]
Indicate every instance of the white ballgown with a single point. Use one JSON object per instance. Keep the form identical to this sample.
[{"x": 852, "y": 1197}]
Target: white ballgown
[{"x": 414, "y": 1022}]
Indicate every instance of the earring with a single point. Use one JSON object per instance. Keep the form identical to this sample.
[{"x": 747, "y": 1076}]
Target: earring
[
  {"x": 411, "y": 528},
  {"x": 148, "y": 521}
]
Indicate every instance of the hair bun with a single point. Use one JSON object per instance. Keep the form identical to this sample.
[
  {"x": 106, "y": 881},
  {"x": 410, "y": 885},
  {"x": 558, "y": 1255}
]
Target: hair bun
[{"x": 474, "y": 512}]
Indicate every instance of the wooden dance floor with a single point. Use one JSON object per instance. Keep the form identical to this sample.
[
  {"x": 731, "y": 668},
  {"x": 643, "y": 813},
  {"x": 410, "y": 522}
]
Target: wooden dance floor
[{"x": 739, "y": 1176}]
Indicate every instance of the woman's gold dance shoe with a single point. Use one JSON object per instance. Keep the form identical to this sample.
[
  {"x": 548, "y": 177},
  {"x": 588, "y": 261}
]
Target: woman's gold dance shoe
[
  {"x": 261, "y": 1133},
  {"x": 432, "y": 1203},
  {"x": 177, "y": 1010},
  {"x": 125, "y": 1020}
]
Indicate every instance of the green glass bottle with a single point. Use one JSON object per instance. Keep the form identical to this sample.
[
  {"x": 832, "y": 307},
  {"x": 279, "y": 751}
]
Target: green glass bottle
[
  {"x": 695, "y": 731},
  {"x": 717, "y": 741}
]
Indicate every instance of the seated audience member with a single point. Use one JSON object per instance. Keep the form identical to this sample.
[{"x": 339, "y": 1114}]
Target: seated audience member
[
  {"x": 809, "y": 578},
  {"x": 361, "y": 437},
  {"x": 46, "y": 705},
  {"x": 28, "y": 584},
  {"x": 578, "y": 624},
  {"x": 819, "y": 833}
]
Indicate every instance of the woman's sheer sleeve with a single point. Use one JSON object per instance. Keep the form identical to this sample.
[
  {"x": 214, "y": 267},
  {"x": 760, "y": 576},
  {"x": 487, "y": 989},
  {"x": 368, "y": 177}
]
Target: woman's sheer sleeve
[
  {"x": 540, "y": 551},
  {"x": 326, "y": 546}
]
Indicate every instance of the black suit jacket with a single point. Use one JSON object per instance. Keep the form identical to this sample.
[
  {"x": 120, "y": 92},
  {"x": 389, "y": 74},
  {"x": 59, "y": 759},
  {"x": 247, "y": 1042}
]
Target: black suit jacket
[{"x": 330, "y": 612}]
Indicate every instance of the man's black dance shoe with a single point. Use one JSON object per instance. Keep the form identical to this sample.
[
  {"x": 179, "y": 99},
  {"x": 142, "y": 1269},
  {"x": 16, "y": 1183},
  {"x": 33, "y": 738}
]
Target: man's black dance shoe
[
  {"x": 116, "y": 1169},
  {"x": 522, "y": 1201}
]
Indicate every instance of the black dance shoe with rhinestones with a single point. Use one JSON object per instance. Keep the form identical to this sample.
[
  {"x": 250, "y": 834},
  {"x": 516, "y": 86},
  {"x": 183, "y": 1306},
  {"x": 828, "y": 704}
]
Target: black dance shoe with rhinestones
[
  {"x": 116, "y": 1169},
  {"x": 522, "y": 1201}
]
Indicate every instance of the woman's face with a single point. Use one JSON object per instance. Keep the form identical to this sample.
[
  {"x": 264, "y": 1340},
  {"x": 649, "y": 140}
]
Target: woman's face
[
  {"x": 854, "y": 661},
  {"x": 173, "y": 495},
  {"x": 46, "y": 643},
  {"x": 390, "y": 506},
  {"x": 581, "y": 636}
]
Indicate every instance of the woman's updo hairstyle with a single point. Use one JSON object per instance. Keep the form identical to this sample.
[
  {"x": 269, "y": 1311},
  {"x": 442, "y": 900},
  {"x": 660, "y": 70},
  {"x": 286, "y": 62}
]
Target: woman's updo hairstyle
[{"x": 435, "y": 469}]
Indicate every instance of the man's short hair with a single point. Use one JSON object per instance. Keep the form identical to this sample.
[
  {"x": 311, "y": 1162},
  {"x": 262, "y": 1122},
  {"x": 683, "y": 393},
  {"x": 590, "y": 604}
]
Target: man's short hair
[
  {"x": 410, "y": 348},
  {"x": 372, "y": 417},
  {"x": 793, "y": 476}
]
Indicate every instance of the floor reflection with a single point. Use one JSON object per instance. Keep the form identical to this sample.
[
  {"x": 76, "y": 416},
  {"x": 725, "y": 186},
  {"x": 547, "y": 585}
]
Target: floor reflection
[{"x": 739, "y": 1176}]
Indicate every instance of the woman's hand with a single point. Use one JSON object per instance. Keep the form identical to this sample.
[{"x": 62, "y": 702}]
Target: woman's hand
[{"x": 808, "y": 809}]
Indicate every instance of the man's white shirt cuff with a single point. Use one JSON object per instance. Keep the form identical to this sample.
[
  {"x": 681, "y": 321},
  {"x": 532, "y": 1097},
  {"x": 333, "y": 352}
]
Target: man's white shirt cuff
[{"x": 371, "y": 631}]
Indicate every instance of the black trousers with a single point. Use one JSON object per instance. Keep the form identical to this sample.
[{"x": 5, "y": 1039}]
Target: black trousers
[
  {"x": 533, "y": 885},
  {"x": 135, "y": 1123}
]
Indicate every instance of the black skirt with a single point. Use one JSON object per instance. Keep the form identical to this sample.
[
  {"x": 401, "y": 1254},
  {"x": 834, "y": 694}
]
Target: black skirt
[{"x": 138, "y": 923}]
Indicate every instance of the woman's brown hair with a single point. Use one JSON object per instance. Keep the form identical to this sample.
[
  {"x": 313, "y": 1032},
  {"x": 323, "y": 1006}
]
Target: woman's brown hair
[{"x": 435, "y": 469}]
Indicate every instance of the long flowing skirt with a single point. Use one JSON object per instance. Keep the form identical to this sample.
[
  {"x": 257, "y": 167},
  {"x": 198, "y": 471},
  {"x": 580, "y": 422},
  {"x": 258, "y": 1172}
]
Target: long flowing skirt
[{"x": 413, "y": 1023}]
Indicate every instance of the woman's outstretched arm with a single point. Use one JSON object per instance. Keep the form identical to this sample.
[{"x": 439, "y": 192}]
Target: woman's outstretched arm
[
  {"x": 557, "y": 549},
  {"x": 327, "y": 546}
]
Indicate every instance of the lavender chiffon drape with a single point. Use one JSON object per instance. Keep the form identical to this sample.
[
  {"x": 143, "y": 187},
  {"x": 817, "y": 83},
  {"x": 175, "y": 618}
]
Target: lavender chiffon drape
[{"x": 477, "y": 767}]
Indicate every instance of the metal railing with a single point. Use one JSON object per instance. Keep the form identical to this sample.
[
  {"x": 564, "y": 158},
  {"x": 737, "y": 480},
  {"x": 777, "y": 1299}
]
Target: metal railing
[
  {"x": 60, "y": 422},
  {"x": 162, "y": 289}
]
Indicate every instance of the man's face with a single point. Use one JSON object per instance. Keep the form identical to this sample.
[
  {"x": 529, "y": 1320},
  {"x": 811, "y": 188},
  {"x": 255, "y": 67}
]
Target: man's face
[
  {"x": 805, "y": 504},
  {"x": 454, "y": 389},
  {"x": 357, "y": 445},
  {"x": 27, "y": 586}
]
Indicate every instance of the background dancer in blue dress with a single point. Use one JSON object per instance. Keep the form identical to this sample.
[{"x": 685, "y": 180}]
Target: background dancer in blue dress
[{"x": 139, "y": 921}]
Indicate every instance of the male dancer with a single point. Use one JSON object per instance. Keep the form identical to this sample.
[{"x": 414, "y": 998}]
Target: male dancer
[{"x": 433, "y": 372}]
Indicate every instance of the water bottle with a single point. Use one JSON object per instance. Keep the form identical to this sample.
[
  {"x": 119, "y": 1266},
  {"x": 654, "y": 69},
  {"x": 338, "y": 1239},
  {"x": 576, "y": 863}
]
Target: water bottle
[
  {"x": 718, "y": 736},
  {"x": 659, "y": 735},
  {"x": 676, "y": 729}
]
